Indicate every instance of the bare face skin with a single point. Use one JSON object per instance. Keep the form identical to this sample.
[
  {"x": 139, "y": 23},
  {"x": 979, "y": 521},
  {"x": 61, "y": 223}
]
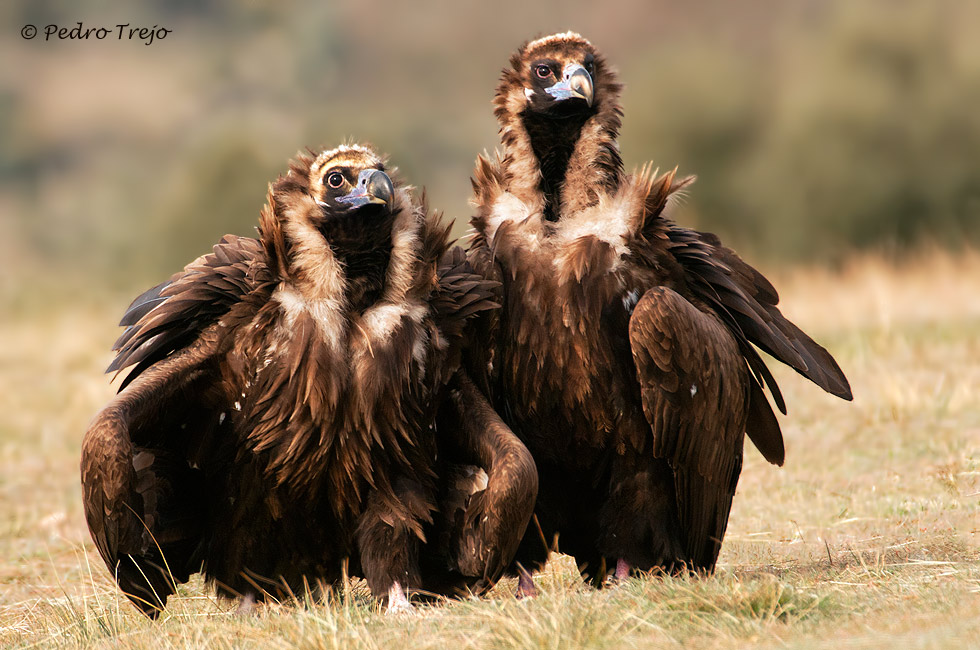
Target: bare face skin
[
  {"x": 348, "y": 178},
  {"x": 558, "y": 76}
]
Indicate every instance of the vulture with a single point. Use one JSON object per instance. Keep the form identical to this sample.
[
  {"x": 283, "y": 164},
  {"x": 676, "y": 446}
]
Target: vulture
[
  {"x": 294, "y": 410},
  {"x": 626, "y": 352}
]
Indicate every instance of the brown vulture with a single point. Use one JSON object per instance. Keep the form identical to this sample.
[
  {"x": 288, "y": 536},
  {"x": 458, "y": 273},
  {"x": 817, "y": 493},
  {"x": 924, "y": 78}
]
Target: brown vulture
[
  {"x": 625, "y": 353},
  {"x": 295, "y": 410}
]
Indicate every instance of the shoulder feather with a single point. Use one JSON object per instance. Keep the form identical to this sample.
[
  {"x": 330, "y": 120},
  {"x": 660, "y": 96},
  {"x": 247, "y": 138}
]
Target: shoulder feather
[{"x": 171, "y": 315}]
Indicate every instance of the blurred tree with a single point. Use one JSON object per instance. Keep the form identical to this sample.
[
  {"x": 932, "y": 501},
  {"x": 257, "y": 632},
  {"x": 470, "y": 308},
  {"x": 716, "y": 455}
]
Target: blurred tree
[
  {"x": 870, "y": 142},
  {"x": 220, "y": 190}
]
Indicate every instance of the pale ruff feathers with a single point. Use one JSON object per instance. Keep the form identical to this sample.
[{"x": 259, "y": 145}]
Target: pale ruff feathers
[
  {"x": 608, "y": 221},
  {"x": 316, "y": 283},
  {"x": 379, "y": 324},
  {"x": 405, "y": 241},
  {"x": 524, "y": 221}
]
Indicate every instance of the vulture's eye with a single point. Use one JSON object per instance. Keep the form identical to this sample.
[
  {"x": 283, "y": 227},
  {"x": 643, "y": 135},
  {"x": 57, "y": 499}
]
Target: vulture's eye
[
  {"x": 542, "y": 71},
  {"x": 590, "y": 67},
  {"x": 335, "y": 179}
]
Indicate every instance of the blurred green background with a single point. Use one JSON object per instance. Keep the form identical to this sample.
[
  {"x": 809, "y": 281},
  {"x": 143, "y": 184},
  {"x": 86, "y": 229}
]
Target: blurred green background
[{"x": 815, "y": 127}]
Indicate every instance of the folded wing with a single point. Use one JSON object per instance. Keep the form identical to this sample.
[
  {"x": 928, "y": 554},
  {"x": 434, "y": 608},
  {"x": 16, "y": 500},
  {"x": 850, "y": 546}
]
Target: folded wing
[
  {"x": 143, "y": 453},
  {"x": 141, "y": 489},
  {"x": 694, "y": 390}
]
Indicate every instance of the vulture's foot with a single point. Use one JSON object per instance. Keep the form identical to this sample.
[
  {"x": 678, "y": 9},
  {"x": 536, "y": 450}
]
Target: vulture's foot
[
  {"x": 246, "y": 606},
  {"x": 525, "y": 585},
  {"x": 622, "y": 570},
  {"x": 398, "y": 601}
]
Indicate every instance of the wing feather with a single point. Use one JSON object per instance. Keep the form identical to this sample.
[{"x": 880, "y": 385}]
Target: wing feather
[
  {"x": 741, "y": 296},
  {"x": 750, "y": 301},
  {"x": 762, "y": 426},
  {"x": 141, "y": 501},
  {"x": 173, "y": 314},
  {"x": 143, "y": 304},
  {"x": 465, "y": 307}
]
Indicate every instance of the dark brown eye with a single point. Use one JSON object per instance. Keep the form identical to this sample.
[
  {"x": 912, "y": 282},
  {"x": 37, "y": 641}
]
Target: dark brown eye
[
  {"x": 542, "y": 71},
  {"x": 335, "y": 179}
]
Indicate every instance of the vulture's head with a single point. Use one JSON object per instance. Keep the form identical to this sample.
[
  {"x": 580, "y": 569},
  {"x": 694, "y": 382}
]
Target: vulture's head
[
  {"x": 355, "y": 197},
  {"x": 559, "y": 113},
  {"x": 558, "y": 77},
  {"x": 345, "y": 194},
  {"x": 338, "y": 205},
  {"x": 345, "y": 180}
]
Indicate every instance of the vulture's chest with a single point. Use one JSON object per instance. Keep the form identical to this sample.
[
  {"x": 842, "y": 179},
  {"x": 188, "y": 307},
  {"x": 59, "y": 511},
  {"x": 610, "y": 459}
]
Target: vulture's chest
[
  {"x": 565, "y": 346},
  {"x": 368, "y": 359},
  {"x": 329, "y": 393}
]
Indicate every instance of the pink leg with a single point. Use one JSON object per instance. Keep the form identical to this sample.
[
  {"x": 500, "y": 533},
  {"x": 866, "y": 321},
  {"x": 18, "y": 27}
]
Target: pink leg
[
  {"x": 246, "y": 606},
  {"x": 525, "y": 584},
  {"x": 397, "y": 600},
  {"x": 622, "y": 570}
]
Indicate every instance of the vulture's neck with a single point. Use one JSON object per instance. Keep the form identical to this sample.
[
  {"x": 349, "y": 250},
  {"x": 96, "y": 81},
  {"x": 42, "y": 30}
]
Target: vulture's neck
[
  {"x": 564, "y": 163},
  {"x": 364, "y": 252},
  {"x": 365, "y": 271},
  {"x": 345, "y": 265},
  {"x": 553, "y": 143}
]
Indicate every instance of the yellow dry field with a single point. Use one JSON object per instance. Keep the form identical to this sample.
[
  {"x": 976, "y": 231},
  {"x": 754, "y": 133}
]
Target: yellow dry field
[{"x": 867, "y": 538}]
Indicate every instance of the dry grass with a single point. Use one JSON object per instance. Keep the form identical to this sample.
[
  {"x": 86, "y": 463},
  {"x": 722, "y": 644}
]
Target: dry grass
[{"x": 867, "y": 538}]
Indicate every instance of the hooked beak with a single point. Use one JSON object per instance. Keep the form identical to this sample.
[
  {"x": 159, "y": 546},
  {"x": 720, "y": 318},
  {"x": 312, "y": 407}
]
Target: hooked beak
[
  {"x": 373, "y": 186},
  {"x": 576, "y": 83}
]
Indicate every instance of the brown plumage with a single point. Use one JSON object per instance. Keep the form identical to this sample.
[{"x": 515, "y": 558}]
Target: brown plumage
[
  {"x": 278, "y": 424},
  {"x": 623, "y": 355}
]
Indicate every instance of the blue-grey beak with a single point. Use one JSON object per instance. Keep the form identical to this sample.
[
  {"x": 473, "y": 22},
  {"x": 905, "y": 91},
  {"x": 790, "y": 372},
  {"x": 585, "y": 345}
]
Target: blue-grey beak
[
  {"x": 373, "y": 186},
  {"x": 576, "y": 82}
]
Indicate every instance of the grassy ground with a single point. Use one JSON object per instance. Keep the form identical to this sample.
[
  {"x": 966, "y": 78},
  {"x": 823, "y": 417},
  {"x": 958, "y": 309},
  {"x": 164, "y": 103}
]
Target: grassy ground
[{"x": 867, "y": 538}]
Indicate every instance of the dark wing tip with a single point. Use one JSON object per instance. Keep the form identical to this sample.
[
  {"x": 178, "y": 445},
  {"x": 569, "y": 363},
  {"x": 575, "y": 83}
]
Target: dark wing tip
[
  {"x": 143, "y": 304},
  {"x": 844, "y": 391},
  {"x": 762, "y": 426}
]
